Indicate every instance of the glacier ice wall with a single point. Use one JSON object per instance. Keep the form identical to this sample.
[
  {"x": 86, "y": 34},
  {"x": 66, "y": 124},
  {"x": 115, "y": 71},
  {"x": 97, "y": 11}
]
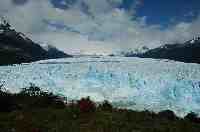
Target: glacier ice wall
[{"x": 127, "y": 82}]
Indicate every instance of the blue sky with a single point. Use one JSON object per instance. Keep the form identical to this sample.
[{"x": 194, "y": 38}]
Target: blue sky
[
  {"x": 168, "y": 12},
  {"x": 163, "y": 12},
  {"x": 104, "y": 26}
]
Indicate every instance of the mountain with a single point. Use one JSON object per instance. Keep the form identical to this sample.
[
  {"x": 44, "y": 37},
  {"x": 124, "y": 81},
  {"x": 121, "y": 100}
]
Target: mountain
[
  {"x": 16, "y": 48},
  {"x": 188, "y": 52},
  {"x": 132, "y": 52},
  {"x": 53, "y": 52}
]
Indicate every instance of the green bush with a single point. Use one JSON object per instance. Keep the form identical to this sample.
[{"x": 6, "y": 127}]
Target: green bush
[
  {"x": 193, "y": 117},
  {"x": 167, "y": 114},
  {"x": 7, "y": 103},
  {"x": 105, "y": 106}
]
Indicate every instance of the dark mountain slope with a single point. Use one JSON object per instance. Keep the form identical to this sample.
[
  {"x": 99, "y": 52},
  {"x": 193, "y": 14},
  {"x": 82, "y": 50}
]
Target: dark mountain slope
[
  {"x": 16, "y": 48},
  {"x": 188, "y": 52},
  {"x": 53, "y": 52}
]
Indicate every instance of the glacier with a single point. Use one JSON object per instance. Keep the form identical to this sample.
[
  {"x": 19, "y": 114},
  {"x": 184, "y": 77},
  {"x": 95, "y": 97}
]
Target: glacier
[{"x": 134, "y": 83}]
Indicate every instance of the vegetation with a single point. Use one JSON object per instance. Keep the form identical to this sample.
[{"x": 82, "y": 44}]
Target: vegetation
[{"x": 33, "y": 110}]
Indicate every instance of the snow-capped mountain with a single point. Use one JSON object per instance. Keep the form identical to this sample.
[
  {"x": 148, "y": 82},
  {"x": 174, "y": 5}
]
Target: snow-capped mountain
[
  {"x": 15, "y": 47},
  {"x": 135, "y": 51},
  {"x": 185, "y": 52}
]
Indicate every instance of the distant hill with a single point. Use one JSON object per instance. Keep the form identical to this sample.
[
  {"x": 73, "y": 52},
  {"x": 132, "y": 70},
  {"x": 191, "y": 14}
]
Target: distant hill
[
  {"x": 53, "y": 52},
  {"x": 188, "y": 52},
  {"x": 16, "y": 48}
]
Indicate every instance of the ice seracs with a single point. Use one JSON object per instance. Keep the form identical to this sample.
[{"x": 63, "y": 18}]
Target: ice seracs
[{"x": 134, "y": 83}]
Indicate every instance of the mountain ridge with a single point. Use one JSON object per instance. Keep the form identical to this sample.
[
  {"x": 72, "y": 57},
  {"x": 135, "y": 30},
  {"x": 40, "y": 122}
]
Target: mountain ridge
[
  {"x": 188, "y": 52},
  {"x": 16, "y": 48}
]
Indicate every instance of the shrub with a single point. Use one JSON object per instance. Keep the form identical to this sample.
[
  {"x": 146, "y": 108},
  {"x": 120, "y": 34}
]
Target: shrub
[
  {"x": 193, "y": 117},
  {"x": 38, "y": 98},
  {"x": 86, "y": 105},
  {"x": 32, "y": 91},
  {"x": 167, "y": 114},
  {"x": 6, "y": 101},
  {"x": 105, "y": 106}
]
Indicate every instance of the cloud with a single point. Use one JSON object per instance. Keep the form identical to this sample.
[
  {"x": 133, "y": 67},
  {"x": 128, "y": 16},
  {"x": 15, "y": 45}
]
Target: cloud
[{"x": 91, "y": 26}]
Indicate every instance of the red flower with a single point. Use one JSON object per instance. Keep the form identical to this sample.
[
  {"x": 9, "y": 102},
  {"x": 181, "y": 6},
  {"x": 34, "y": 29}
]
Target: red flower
[{"x": 86, "y": 105}]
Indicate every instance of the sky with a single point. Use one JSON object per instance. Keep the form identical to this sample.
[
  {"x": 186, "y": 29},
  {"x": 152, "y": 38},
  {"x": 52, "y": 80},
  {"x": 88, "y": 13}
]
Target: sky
[{"x": 104, "y": 26}]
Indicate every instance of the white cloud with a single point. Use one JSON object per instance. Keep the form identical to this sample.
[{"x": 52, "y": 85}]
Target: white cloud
[{"x": 103, "y": 29}]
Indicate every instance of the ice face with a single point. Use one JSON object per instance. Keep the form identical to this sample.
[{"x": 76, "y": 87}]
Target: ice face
[{"x": 127, "y": 82}]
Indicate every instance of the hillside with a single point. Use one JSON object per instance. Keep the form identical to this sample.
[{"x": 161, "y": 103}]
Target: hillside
[
  {"x": 188, "y": 52},
  {"x": 16, "y": 48}
]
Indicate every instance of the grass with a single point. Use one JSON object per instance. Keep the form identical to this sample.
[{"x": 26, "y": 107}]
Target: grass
[{"x": 35, "y": 111}]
